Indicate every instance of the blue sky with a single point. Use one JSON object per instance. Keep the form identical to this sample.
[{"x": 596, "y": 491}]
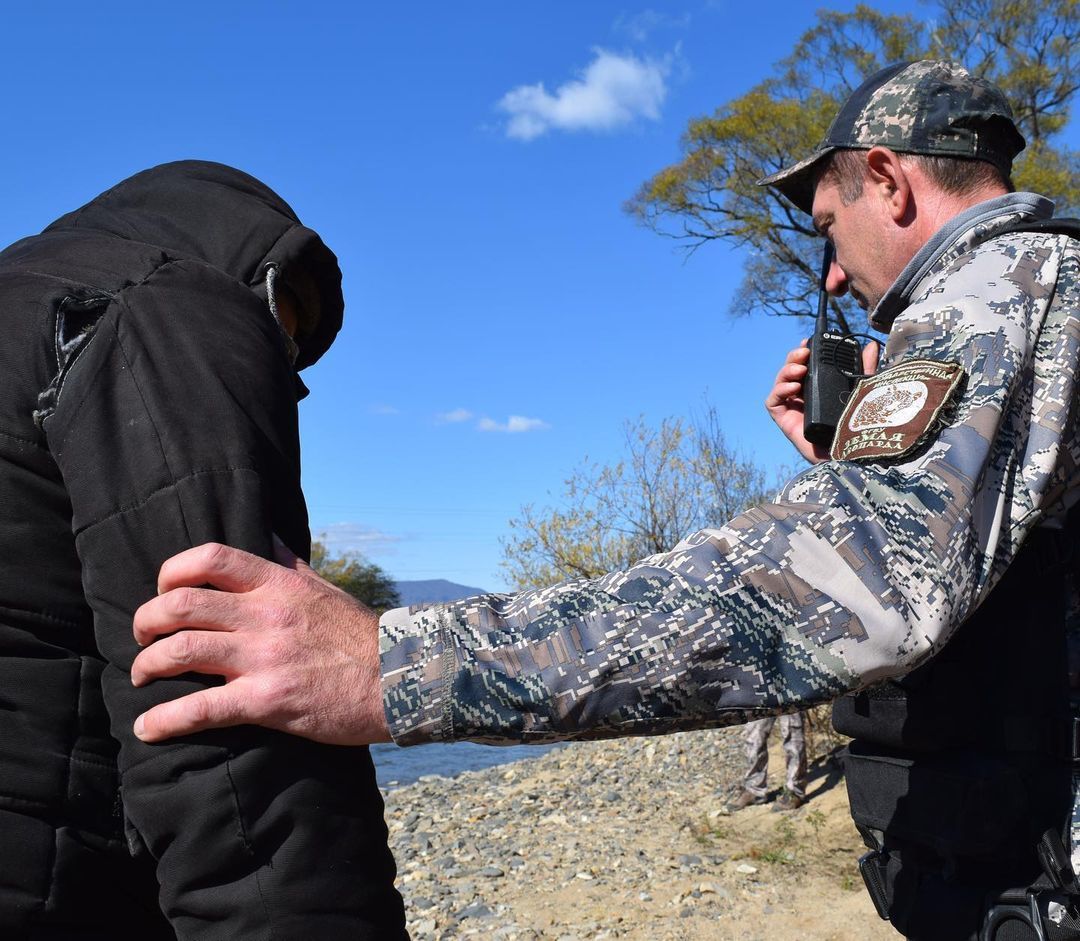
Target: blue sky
[{"x": 468, "y": 163}]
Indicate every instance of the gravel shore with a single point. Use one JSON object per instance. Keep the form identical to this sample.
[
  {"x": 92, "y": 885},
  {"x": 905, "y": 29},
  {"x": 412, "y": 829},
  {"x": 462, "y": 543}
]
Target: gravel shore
[{"x": 626, "y": 839}]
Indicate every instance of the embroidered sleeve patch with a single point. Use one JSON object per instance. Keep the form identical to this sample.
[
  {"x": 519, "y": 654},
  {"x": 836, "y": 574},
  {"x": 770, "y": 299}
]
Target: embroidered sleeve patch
[{"x": 891, "y": 413}]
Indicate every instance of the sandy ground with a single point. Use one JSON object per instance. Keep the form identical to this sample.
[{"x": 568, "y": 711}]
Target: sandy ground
[
  {"x": 648, "y": 854},
  {"x": 806, "y": 885}
]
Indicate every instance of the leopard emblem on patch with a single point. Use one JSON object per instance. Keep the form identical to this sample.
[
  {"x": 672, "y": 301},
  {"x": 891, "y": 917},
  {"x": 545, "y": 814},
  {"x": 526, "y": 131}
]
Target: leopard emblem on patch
[{"x": 890, "y": 414}]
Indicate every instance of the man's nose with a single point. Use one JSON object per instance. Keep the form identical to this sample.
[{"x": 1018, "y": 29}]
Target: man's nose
[{"x": 836, "y": 282}]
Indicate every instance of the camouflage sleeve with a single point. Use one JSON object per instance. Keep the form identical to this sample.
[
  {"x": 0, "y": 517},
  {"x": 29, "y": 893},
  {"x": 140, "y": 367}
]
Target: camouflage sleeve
[{"x": 858, "y": 571}]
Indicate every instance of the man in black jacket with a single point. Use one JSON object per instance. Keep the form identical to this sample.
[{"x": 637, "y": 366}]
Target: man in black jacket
[{"x": 149, "y": 404}]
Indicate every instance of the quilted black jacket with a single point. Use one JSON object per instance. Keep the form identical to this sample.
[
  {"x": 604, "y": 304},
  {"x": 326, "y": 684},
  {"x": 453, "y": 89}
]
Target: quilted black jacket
[{"x": 148, "y": 404}]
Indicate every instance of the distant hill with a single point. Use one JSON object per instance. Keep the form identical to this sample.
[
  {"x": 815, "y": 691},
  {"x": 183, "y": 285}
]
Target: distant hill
[{"x": 427, "y": 591}]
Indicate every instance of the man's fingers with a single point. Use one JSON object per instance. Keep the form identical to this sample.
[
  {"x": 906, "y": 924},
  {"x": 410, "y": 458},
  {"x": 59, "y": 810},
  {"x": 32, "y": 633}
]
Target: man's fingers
[
  {"x": 214, "y": 564},
  {"x": 179, "y": 608},
  {"x": 798, "y": 357},
  {"x": 212, "y": 708},
  {"x": 188, "y": 652},
  {"x": 794, "y": 367},
  {"x": 783, "y": 393},
  {"x": 870, "y": 357}
]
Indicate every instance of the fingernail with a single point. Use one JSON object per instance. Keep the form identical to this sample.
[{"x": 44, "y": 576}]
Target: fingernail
[{"x": 139, "y": 727}]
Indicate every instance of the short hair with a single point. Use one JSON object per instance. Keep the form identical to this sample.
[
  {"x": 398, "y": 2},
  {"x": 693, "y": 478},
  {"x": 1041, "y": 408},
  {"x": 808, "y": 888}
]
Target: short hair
[
  {"x": 847, "y": 170},
  {"x": 955, "y": 175}
]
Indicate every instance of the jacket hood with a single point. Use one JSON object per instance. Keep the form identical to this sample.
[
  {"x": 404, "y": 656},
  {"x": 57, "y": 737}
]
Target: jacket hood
[{"x": 232, "y": 221}]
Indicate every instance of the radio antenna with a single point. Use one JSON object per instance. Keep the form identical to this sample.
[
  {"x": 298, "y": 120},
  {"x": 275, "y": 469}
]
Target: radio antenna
[{"x": 823, "y": 295}]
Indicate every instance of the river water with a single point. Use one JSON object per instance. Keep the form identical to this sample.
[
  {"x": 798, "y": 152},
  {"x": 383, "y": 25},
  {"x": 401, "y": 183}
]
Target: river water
[{"x": 395, "y": 766}]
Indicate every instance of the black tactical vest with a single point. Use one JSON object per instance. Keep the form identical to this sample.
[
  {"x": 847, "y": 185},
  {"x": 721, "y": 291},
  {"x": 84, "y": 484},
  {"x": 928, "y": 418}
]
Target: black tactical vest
[{"x": 956, "y": 770}]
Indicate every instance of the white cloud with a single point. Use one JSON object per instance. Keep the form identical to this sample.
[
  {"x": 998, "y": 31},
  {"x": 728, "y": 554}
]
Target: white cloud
[
  {"x": 457, "y": 415},
  {"x": 613, "y": 91},
  {"x": 355, "y": 537},
  {"x": 383, "y": 409},
  {"x": 515, "y": 424}
]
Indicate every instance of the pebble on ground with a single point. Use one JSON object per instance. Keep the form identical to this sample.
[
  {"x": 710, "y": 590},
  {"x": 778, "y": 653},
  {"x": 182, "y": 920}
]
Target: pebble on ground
[{"x": 618, "y": 839}]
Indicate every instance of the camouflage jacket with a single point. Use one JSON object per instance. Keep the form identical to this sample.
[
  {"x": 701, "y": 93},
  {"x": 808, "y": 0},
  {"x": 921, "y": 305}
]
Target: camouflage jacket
[{"x": 859, "y": 570}]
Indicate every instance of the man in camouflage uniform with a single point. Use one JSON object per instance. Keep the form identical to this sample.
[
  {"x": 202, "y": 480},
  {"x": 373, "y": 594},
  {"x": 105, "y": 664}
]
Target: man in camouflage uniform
[
  {"x": 960, "y": 453},
  {"x": 755, "y": 789}
]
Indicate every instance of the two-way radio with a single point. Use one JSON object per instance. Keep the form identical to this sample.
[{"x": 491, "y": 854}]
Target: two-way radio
[{"x": 834, "y": 368}]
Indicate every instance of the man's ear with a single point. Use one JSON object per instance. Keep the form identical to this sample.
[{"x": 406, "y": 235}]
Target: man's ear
[{"x": 887, "y": 176}]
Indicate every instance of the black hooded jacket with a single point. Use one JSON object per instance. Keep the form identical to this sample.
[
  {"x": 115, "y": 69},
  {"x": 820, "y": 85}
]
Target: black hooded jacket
[{"x": 148, "y": 404}]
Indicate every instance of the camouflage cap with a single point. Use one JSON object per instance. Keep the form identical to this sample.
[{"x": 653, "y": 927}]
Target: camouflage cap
[{"x": 930, "y": 107}]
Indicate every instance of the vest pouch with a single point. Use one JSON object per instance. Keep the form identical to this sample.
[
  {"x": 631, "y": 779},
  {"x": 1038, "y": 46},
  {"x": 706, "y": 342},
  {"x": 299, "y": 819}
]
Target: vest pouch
[
  {"x": 941, "y": 706},
  {"x": 955, "y": 805}
]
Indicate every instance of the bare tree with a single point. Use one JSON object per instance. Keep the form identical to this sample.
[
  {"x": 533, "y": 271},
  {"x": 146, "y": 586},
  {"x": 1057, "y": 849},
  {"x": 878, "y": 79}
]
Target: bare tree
[{"x": 673, "y": 480}]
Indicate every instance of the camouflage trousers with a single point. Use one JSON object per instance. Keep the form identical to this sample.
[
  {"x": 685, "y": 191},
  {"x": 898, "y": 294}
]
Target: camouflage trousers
[{"x": 757, "y": 754}]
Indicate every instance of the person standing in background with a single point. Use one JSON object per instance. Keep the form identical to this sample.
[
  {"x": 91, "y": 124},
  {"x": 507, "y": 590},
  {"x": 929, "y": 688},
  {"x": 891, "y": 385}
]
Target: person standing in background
[{"x": 755, "y": 788}]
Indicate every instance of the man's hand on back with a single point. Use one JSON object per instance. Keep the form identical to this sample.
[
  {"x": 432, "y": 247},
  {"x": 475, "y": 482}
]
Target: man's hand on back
[
  {"x": 784, "y": 402},
  {"x": 297, "y": 653}
]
